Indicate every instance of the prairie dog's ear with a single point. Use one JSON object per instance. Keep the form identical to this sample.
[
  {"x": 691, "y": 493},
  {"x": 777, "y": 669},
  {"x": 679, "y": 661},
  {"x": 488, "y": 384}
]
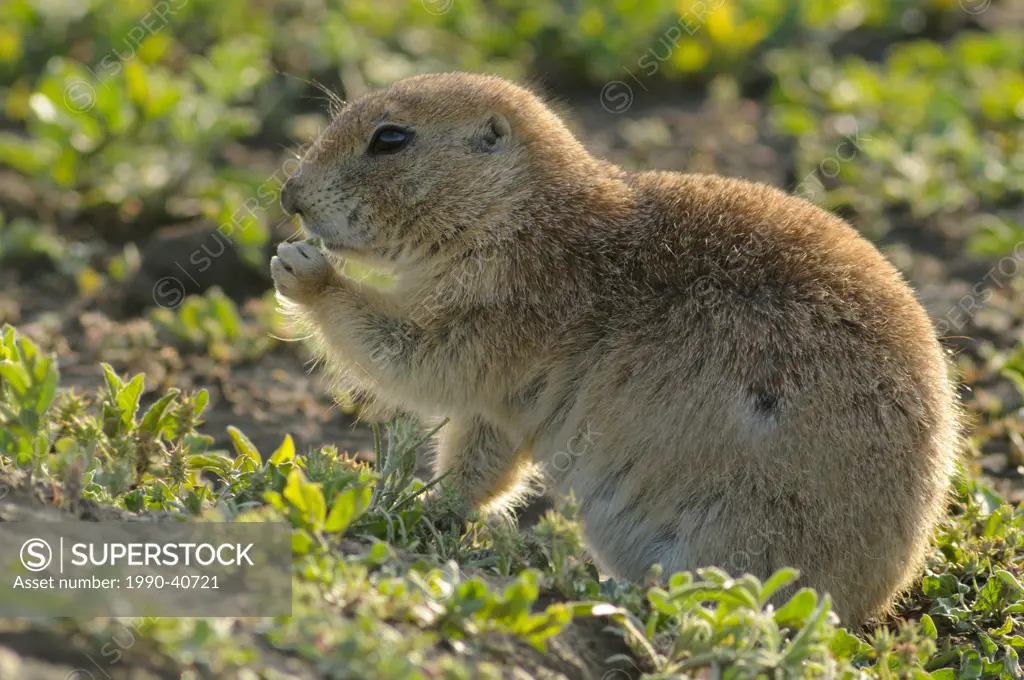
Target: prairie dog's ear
[{"x": 494, "y": 133}]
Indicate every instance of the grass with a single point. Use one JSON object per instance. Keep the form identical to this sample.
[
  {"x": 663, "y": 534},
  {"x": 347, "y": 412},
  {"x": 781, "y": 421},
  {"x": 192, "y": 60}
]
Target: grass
[{"x": 382, "y": 592}]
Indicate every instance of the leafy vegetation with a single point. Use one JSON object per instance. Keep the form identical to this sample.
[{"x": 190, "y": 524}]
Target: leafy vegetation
[
  {"x": 370, "y": 564},
  {"x": 935, "y": 129},
  {"x": 213, "y": 323},
  {"x": 137, "y": 118}
]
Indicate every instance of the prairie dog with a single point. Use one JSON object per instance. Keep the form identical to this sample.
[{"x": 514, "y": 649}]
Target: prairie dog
[{"x": 742, "y": 380}]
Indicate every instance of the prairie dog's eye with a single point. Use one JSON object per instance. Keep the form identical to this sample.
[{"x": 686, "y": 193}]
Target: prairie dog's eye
[{"x": 389, "y": 139}]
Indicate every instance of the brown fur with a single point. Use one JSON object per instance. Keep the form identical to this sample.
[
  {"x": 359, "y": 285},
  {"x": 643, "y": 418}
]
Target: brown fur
[{"x": 724, "y": 374}]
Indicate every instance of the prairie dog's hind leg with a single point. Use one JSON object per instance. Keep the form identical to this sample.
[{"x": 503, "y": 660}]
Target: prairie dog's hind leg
[{"x": 484, "y": 465}]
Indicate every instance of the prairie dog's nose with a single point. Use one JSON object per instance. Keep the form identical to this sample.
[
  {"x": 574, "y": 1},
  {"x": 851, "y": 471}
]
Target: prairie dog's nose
[{"x": 288, "y": 200}]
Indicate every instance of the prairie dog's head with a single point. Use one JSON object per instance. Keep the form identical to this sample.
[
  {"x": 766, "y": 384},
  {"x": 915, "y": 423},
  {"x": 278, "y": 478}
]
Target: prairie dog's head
[{"x": 430, "y": 167}]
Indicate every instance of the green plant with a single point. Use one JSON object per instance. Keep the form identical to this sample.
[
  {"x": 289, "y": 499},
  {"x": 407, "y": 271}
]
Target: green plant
[
  {"x": 213, "y": 324},
  {"x": 28, "y": 387},
  {"x": 110, "y": 450},
  {"x": 23, "y": 240},
  {"x": 934, "y": 129},
  {"x": 127, "y": 124},
  {"x": 372, "y": 576}
]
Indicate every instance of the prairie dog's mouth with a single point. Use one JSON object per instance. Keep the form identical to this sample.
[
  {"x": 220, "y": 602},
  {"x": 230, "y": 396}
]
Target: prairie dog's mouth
[
  {"x": 334, "y": 227},
  {"x": 362, "y": 260},
  {"x": 309, "y": 228},
  {"x": 311, "y": 231}
]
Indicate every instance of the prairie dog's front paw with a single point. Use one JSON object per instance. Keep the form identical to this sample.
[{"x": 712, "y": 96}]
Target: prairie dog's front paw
[{"x": 301, "y": 272}]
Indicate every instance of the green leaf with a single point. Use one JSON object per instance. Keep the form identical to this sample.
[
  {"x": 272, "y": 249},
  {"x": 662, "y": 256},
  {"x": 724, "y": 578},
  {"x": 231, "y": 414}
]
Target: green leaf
[
  {"x": 10, "y": 348},
  {"x": 128, "y": 398},
  {"x": 153, "y": 418},
  {"x": 778, "y": 581},
  {"x": 202, "y": 399},
  {"x": 943, "y": 674},
  {"x": 226, "y": 313},
  {"x": 244, "y": 448},
  {"x": 302, "y": 542},
  {"x": 1010, "y": 580},
  {"x": 661, "y": 601},
  {"x": 378, "y": 554},
  {"x": 992, "y": 526},
  {"x": 114, "y": 382},
  {"x": 846, "y": 645},
  {"x": 7, "y": 330},
  {"x": 347, "y": 508},
  {"x": 990, "y": 597},
  {"x": 800, "y": 645},
  {"x": 214, "y": 463},
  {"x": 40, "y": 367},
  {"x": 135, "y": 501},
  {"x": 1011, "y": 663},
  {"x": 519, "y": 596},
  {"x": 717, "y": 576},
  {"x": 936, "y": 587},
  {"x": 307, "y": 497},
  {"x": 16, "y": 376},
  {"x": 1004, "y": 629},
  {"x": 928, "y": 627},
  {"x": 285, "y": 452},
  {"x": 556, "y": 617},
  {"x": 28, "y": 351},
  {"x": 135, "y": 78},
  {"x": 799, "y": 607},
  {"x": 293, "y": 489},
  {"x": 971, "y": 666},
  {"x": 680, "y": 579},
  {"x": 49, "y": 390},
  {"x": 988, "y": 645},
  {"x": 276, "y": 500}
]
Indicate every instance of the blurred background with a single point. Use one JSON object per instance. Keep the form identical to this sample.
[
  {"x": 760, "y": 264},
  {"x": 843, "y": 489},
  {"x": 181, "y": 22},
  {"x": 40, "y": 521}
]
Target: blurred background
[{"x": 143, "y": 145}]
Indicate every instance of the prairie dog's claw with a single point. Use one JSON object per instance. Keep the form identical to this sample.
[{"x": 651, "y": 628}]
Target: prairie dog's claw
[{"x": 300, "y": 271}]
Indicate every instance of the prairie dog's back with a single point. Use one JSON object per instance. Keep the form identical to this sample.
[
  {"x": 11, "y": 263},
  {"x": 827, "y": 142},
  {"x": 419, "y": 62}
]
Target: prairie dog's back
[
  {"x": 791, "y": 386},
  {"x": 770, "y": 271},
  {"x": 784, "y": 294}
]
